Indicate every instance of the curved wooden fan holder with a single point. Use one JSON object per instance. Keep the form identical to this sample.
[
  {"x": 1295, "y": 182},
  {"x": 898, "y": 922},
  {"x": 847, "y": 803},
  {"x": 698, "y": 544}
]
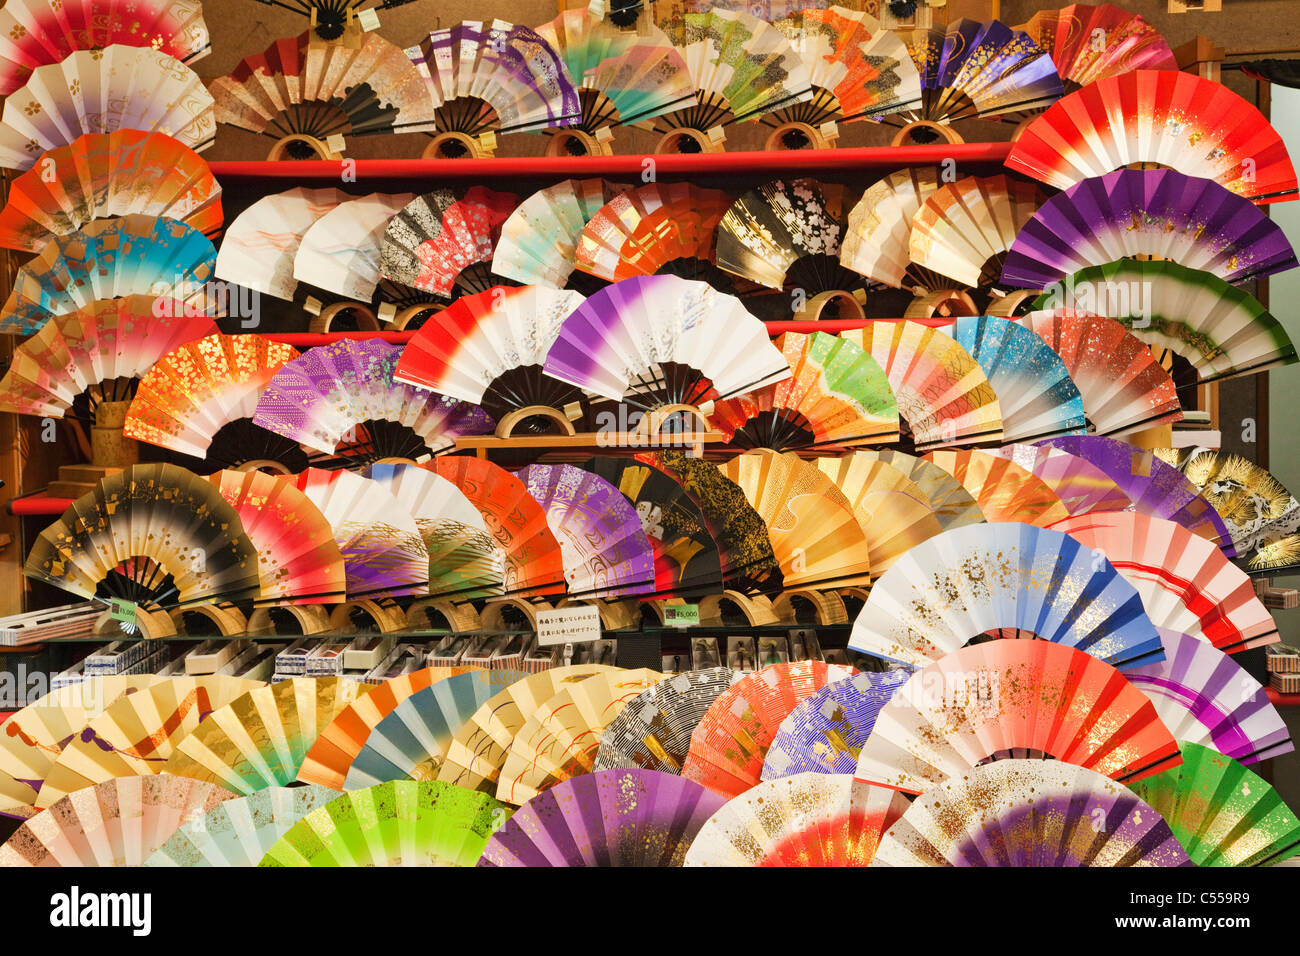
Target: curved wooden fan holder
[
  {"x": 510, "y": 421},
  {"x": 150, "y": 625},
  {"x": 281, "y": 148},
  {"x": 494, "y": 616},
  {"x": 388, "y": 617},
  {"x": 812, "y": 308},
  {"x": 669, "y": 143},
  {"x": 816, "y": 137},
  {"x": 1007, "y": 305},
  {"x": 905, "y": 136},
  {"x": 402, "y": 319},
  {"x": 828, "y": 605},
  {"x": 757, "y": 609},
  {"x": 473, "y": 147},
  {"x": 269, "y": 465},
  {"x": 459, "y": 617},
  {"x": 588, "y": 143},
  {"x": 311, "y": 619},
  {"x": 652, "y": 423},
  {"x": 946, "y": 303},
  {"x": 324, "y": 321},
  {"x": 228, "y": 620}
]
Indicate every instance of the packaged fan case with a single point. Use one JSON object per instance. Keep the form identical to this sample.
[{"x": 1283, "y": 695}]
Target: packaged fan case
[
  {"x": 482, "y": 650},
  {"x": 704, "y": 653},
  {"x": 69, "y": 676},
  {"x": 1285, "y": 683},
  {"x": 596, "y": 652},
  {"x": 804, "y": 645},
  {"x": 1282, "y": 659},
  {"x": 511, "y": 655},
  {"x": 742, "y": 653},
  {"x": 402, "y": 659},
  {"x": 541, "y": 658},
  {"x": 835, "y": 655},
  {"x": 212, "y": 655},
  {"x": 366, "y": 651},
  {"x": 326, "y": 659},
  {"x": 292, "y": 661},
  {"x": 116, "y": 657},
  {"x": 256, "y": 663},
  {"x": 449, "y": 650},
  {"x": 773, "y": 650}
]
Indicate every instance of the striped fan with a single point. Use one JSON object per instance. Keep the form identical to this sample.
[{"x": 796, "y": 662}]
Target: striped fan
[
  {"x": 1088, "y": 43},
  {"x": 340, "y": 251},
  {"x": 539, "y": 240},
  {"x": 1003, "y": 489},
  {"x": 653, "y": 732},
  {"x": 260, "y": 245},
  {"x": 951, "y": 504},
  {"x": 877, "y": 239},
  {"x": 1081, "y": 486}
]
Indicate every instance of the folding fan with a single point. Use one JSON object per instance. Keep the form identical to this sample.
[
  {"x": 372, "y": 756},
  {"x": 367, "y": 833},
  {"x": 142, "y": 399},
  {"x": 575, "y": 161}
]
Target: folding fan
[
  {"x": 383, "y": 552},
  {"x": 559, "y": 740},
  {"x": 1155, "y": 488},
  {"x": 729, "y": 743},
  {"x": 102, "y": 91},
  {"x": 166, "y": 258},
  {"x": 999, "y": 578},
  {"x": 340, "y": 250},
  {"x": 478, "y": 749},
  {"x": 1014, "y": 699},
  {"x": 809, "y": 819},
  {"x": 837, "y": 395},
  {"x": 893, "y": 512},
  {"x": 943, "y": 394},
  {"x": 533, "y": 560},
  {"x": 1195, "y": 222},
  {"x": 495, "y": 76},
  {"x": 1088, "y": 43},
  {"x": 664, "y": 340},
  {"x": 825, "y": 732},
  {"x": 952, "y": 505},
  {"x": 464, "y": 559},
  {"x": 1186, "y": 583},
  {"x": 814, "y": 532},
  {"x": 1003, "y": 489},
  {"x": 136, "y": 734},
  {"x": 260, "y": 245},
  {"x": 97, "y": 350},
  {"x": 878, "y": 233},
  {"x": 1181, "y": 121},
  {"x": 1081, "y": 486},
  {"x": 330, "y": 394},
  {"x": 117, "y": 822},
  {"x": 296, "y": 87},
  {"x": 36, "y": 33},
  {"x": 1222, "y": 813},
  {"x": 400, "y": 823},
  {"x": 152, "y": 536},
  {"x": 539, "y": 241},
  {"x": 238, "y": 832},
  {"x": 1035, "y": 392},
  {"x": 1123, "y": 385},
  {"x": 963, "y": 230},
  {"x": 646, "y": 230},
  {"x": 621, "y": 817},
  {"x": 1221, "y": 330},
  {"x": 100, "y": 175},
  {"x": 1030, "y": 813},
  {"x": 1202, "y": 696},
  {"x": 1253, "y": 504}
]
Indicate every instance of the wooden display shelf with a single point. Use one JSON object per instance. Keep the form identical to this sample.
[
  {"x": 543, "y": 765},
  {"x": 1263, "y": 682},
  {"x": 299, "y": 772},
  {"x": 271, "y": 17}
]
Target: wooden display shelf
[{"x": 692, "y": 442}]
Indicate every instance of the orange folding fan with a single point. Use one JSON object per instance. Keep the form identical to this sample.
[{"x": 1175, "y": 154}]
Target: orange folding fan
[{"x": 1003, "y": 489}]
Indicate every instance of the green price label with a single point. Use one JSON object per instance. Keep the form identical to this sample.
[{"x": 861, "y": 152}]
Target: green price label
[
  {"x": 682, "y": 615},
  {"x": 120, "y": 610}
]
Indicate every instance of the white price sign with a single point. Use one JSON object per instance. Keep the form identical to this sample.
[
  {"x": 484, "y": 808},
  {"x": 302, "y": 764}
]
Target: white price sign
[{"x": 568, "y": 625}]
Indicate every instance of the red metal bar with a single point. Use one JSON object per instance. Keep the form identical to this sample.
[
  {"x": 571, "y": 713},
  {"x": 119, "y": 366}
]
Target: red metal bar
[{"x": 38, "y": 504}]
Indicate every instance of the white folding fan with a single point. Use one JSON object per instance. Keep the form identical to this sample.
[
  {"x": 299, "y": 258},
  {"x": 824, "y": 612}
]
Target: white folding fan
[{"x": 339, "y": 252}]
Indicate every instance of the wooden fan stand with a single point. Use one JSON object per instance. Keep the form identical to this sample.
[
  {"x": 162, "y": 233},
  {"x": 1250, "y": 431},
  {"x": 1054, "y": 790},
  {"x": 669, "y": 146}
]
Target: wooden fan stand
[
  {"x": 150, "y": 626},
  {"x": 466, "y": 147},
  {"x": 850, "y": 306},
  {"x": 828, "y": 606},
  {"x": 905, "y": 136},
  {"x": 1006, "y": 305},
  {"x": 584, "y": 143},
  {"x": 817, "y": 137},
  {"x": 386, "y": 615},
  {"x": 649, "y": 432},
  {"x": 225, "y": 620},
  {"x": 757, "y": 609},
  {"x": 323, "y": 321},
  {"x": 709, "y": 142},
  {"x": 110, "y": 452},
  {"x": 943, "y": 304},
  {"x": 460, "y": 617},
  {"x": 311, "y": 619},
  {"x": 280, "y": 151}
]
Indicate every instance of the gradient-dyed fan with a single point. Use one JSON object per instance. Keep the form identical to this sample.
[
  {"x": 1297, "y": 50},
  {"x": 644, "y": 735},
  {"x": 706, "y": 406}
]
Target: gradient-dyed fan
[
  {"x": 98, "y": 350},
  {"x": 260, "y": 245},
  {"x": 731, "y": 740},
  {"x": 1003, "y": 489},
  {"x": 107, "y": 259},
  {"x": 606, "y": 554},
  {"x": 114, "y": 823},
  {"x": 152, "y": 536},
  {"x": 400, "y": 823},
  {"x": 943, "y": 395},
  {"x": 1186, "y": 583},
  {"x": 1162, "y": 213},
  {"x": 607, "y": 818},
  {"x": 1221, "y": 330},
  {"x": 1030, "y": 813},
  {"x": 814, "y": 532},
  {"x": 101, "y": 91},
  {"x": 444, "y": 239},
  {"x": 662, "y": 340},
  {"x": 1196, "y": 126},
  {"x": 1081, "y": 486},
  {"x": 1123, "y": 385},
  {"x": 1008, "y": 580},
  {"x": 893, "y": 512},
  {"x": 340, "y": 251},
  {"x": 878, "y": 234},
  {"x": 1253, "y": 504},
  {"x": 297, "y": 88},
  {"x": 344, "y": 394},
  {"x": 964, "y": 229},
  {"x": 809, "y": 819},
  {"x": 1222, "y": 813},
  {"x": 559, "y": 740},
  {"x": 100, "y": 175},
  {"x": 825, "y": 732},
  {"x": 495, "y": 77},
  {"x": 1154, "y": 488},
  {"x": 653, "y": 732},
  {"x": 539, "y": 241},
  {"x": 657, "y": 227},
  {"x": 1088, "y": 43},
  {"x": 951, "y": 504},
  {"x": 533, "y": 561},
  {"x": 36, "y": 33},
  {"x": 1203, "y": 696},
  {"x": 136, "y": 734},
  {"x": 239, "y": 832},
  {"x": 837, "y": 395},
  {"x": 1006, "y": 699}
]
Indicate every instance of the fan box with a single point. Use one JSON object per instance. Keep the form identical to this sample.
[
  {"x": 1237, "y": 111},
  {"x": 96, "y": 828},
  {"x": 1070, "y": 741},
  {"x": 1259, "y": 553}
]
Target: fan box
[
  {"x": 836, "y": 655},
  {"x": 326, "y": 659},
  {"x": 804, "y": 645},
  {"x": 151, "y": 664},
  {"x": 366, "y": 651},
  {"x": 773, "y": 650},
  {"x": 596, "y": 652},
  {"x": 541, "y": 658},
  {"x": 1282, "y": 659},
  {"x": 292, "y": 661},
  {"x": 675, "y": 664},
  {"x": 511, "y": 655},
  {"x": 172, "y": 668},
  {"x": 69, "y": 676},
  {"x": 483, "y": 649},
  {"x": 257, "y": 662},
  {"x": 705, "y": 653},
  {"x": 116, "y": 657},
  {"x": 212, "y": 655},
  {"x": 449, "y": 650},
  {"x": 402, "y": 659},
  {"x": 742, "y": 653},
  {"x": 1285, "y": 683}
]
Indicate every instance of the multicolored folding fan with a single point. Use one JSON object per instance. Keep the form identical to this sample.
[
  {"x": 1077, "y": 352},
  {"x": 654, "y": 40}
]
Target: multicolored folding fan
[
  {"x": 260, "y": 245},
  {"x": 1195, "y": 222},
  {"x": 1088, "y": 43},
  {"x": 102, "y": 91},
  {"x": 1123, "y": 385},
  {"x": 825, "y": 732},
  {"x": 1014, "y": 699},
  {"x": 1081, "y": 486},
  {"x": 100, "y": 175},
  {"x": 952, "y": 505},
  {"x": 340, "y": 251},
  {"x": 539, "y": 241},
  {"x": 653, "y": 732},
  {"x": 1007, "y": 580},
  {"x": 878, "y": 233},
  {"x": 731, "y": 740},
  {"x": 107, "y": 259},
  {"x": 1222, "y": 813},
  {"x": 400, "y": 823},
  {"x": 1253, "y": 504},
  {"x": 435, "y": 239},
  {"x": 1181, "y": 121},
  {"x": 1003, "y": 489},
  {"x": 98, "y": 350},
  {"x": 1030, "y": 813},
  {"x": 809, "y": 819},
  {"x": 943, "y": 395},
  {"x": 1186, "y": 583}
]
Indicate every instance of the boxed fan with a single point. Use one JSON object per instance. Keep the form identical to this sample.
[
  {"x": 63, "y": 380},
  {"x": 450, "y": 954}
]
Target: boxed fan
[
  {"x": 705, "y": 653},
  {"x": 366, "y": 651},
  {"x": 69, "y": 677},
  {"x": 326, "y": 659},
  {"x": 742, "y": 653},
  {"x": 117, "y": 657},
  {"x": 510, "y": 656},
  {"x": 596, "y": 652},
  {"x": 542, "y": 658},
  {"x": 257, "y": 662},
  {"x": 212, "y": 655},
  {"x": 482, "y": 649},
  {"x": 804, "y": 645},
  {"x": 292, "y": 661},
  {"x": 674, "y": 663},
  {"x": 69, "y": 621},
  {"x": 836, "y": 655},
  {"x": 151, "y": 664},
  {"x": 773, "y": 650},
  {"x": 172, "y": 668},
  {"x": 402, "y": 659},
  {"x": 1285, "y": 683},
  {"x": 1282, "y": 659},
  {"x": 449, "y": 650}
]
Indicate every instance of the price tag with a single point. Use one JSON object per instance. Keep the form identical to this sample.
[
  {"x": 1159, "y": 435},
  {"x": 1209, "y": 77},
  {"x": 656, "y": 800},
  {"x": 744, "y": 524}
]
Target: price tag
[
  {"x": 368, "y": 19},
  {"x": 120, "y": 610},
  {"x": 335, "y": 143},
  {"x": 488, "y": 141},
  {"x": 387, "y": 312},
  {"x": 568, "y": 625},
  {"x": 313, "y": 305},
  {"x": 682, "y": 615}
]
